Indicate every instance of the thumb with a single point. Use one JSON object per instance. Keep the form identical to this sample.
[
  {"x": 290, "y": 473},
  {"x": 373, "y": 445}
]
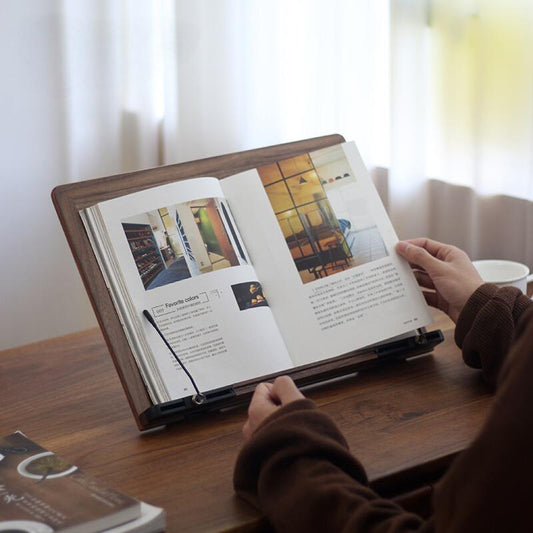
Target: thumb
[
  {"x": 417, "y": 255},
  {"x": 285, "y": 390}
]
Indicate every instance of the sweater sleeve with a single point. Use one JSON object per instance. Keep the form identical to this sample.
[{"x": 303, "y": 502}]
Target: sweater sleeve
[
  {"x": 297, "y": 470},
  {"x": 486, "y": 327},
  {"x": 488, "y": 487}
]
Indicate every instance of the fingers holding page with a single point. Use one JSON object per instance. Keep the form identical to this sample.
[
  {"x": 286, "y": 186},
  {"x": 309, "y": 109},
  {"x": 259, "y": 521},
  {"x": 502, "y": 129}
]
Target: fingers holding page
[
  {"x": 261, "y": 405},
  {"x": 267, "y": 398},
  {"x": 443, "y": 268},
  {"x": 434, "y": 248},
  {"x": 285, "y": 390},
  {"x": 418, "y": 255}
]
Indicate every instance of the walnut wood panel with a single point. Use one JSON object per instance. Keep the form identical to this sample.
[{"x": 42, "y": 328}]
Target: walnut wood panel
[
  {"x": 69, "y": 199},
  {"x": 405, "y": 422}
]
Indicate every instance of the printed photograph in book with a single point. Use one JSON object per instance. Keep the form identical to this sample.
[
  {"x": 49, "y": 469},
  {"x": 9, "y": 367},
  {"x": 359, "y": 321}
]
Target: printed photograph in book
[
  {"x": 326, "y": 226},
  {"x": 180, "y": 241},
  {"x": 249, "y": 295}
]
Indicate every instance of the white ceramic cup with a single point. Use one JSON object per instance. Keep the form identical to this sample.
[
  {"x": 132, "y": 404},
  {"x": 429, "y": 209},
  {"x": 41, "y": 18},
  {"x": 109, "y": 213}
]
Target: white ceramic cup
[{"x": 504, "y": 273}]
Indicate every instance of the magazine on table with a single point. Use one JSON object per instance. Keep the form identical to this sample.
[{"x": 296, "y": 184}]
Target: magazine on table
[{"x": 41, "y": 492}]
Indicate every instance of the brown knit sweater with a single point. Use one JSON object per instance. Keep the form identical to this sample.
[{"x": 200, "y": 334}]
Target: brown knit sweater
[{"x": 298, "y": 471}]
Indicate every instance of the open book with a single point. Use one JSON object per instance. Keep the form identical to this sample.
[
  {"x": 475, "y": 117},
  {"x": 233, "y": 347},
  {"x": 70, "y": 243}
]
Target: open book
[{"x": 263, "y": 271}]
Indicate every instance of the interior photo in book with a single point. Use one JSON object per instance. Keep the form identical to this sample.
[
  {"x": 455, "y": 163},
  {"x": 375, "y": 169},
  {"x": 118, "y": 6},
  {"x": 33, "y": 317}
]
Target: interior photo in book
[
  {"x": 180, "y": 241},
  {"x": 327, "y": 228}
]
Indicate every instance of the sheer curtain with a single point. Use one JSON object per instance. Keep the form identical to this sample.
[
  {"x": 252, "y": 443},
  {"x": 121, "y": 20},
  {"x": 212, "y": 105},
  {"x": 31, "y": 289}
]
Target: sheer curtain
[
  {"x": 253, "y": 73},
  {"x": 120, "y": 84},
  {"x": 96, "y": 87},
  {"x": 462, "y": 124},
  {"x": 437, "y": 95},
  {"x": 86, "y": 90}
]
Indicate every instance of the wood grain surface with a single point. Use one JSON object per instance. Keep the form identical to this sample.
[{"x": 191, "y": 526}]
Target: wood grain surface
[{"x": 405, "y": 421}]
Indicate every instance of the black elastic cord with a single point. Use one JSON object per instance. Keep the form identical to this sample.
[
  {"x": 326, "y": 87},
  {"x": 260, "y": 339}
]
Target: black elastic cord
[{"x": 199, "y": 398}]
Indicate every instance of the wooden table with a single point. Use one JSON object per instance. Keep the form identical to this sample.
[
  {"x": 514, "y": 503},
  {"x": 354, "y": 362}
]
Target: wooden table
[{"x": 405, "y": 422}]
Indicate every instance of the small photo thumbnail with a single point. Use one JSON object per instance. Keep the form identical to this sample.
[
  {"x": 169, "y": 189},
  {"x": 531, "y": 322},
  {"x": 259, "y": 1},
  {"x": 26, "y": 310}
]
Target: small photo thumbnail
[{"x": 249, "y": 295}]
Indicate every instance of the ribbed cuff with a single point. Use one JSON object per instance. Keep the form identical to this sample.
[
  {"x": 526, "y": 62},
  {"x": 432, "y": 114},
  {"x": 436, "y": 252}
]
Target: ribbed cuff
[{"x": 477, "y": 300}]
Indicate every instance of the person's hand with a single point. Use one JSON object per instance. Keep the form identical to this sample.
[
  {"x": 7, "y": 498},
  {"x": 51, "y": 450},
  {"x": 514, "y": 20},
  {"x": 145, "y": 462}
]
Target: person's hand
[
  {"x": 445, "y": 271},
  {"x": 267, "y": 398}
]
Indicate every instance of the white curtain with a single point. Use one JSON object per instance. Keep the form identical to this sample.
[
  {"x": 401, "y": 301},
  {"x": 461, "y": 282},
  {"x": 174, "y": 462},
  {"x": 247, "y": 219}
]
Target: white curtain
[
  {"x": 86, "y": 90},
  {"x": 256, "y": 72},
  {"x": 462, "y": 124},
  {"x": 437, "y": 95},
  {"x": 120, "y": 84},
  {"x": 97, "y": 87},
  {"x": 481, "y": 66}
]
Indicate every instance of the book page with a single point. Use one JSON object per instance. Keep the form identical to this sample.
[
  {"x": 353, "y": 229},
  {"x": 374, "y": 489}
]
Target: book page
[
  {"x": 323, "y": 248},
  {"x": 175, "y": 251}
]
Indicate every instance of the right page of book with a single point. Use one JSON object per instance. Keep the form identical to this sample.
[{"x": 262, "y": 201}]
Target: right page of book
[{"x": 324, "y": 251}]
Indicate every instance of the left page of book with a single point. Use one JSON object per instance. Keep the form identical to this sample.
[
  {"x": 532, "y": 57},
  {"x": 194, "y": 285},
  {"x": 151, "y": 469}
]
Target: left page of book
[{"x": 175, "y": 251}]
